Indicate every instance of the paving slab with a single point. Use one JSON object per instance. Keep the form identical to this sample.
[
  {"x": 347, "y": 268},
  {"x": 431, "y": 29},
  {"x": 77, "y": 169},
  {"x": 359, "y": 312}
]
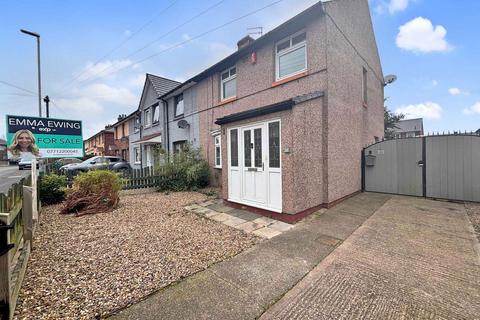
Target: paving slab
[
  {"x": 221, "y": 217},
  {"x": 249, "y": 226},
  {"x": 233, "y": 221},
  {"x": 243, "y": 214},
  {"x": 393, "y": 267},
  {"x": 266, "y": 232},
  {"x": 219, "y": 207}
]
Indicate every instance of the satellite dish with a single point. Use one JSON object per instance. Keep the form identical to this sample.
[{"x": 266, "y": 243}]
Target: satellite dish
[
  {"x": 389, "y": 79},
  {"x": 182, "y": 124}
]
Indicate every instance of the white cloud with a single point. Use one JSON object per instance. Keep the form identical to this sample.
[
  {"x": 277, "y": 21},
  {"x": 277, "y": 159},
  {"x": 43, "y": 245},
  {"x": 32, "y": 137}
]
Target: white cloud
[
  {"x": 457, "y": 91},
  {"x": 427, "y": 110},
  {"x": 104, "y": 92},
  {"x": 397, "y": 5},
  {"x": 473, "y": 109},
  {"x": 101, "y": 69},
  {"x": 419, "y": 35},
  {"x": 127, "y": 33},
  {"x": 434, "y": 83},
  {"x": 392, "y": 6}
]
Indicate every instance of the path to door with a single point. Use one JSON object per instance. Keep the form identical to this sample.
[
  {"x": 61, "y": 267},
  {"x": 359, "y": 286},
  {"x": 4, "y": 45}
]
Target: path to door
[{"x": 413, "y": 259}]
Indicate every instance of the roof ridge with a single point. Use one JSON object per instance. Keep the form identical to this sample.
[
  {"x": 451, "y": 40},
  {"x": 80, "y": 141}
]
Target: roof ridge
[{"x": 154, "y": 75}]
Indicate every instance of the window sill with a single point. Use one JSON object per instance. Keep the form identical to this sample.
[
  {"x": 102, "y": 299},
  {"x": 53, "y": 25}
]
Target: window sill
[
  {"x": 155, "y": 124},
  {"x": 178, "y": 117},
  {"x": 217, "y": 167},
  {"x": 290, "y": 78},
  {"x": 225, "y": 101}
]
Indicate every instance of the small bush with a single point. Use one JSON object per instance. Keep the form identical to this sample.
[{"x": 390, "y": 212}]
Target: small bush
[
  {"x": 52, "y": 188},
  {"x": 183, "y": 171},
  {"x": 93, "y": 192}
]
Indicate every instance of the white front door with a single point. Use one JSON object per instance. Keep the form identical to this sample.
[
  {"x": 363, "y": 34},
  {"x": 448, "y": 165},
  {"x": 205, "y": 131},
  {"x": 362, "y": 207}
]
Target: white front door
[
  {"x": 253, "y": 146},
  {"x": 254, "y": 172},
  {"x": 148, "y": 151}
]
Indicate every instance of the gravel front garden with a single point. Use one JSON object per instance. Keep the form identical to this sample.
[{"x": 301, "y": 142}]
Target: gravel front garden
[{"x": 88, "y": 267}]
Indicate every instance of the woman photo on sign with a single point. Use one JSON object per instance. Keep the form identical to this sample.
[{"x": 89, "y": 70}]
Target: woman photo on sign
[{"x": 23, "y": 146}]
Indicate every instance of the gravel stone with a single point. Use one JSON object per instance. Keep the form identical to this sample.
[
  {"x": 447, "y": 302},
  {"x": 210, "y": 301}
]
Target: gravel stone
[{"x": 88, "y": 267}]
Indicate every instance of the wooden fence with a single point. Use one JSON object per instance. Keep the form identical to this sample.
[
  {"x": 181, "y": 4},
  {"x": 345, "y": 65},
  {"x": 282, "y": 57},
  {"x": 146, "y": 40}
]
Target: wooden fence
[
  {"x": 148, "y": 177},
  {"x": 17, "y": 218}
]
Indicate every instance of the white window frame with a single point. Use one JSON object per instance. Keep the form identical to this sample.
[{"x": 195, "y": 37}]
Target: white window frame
[
  {"x": 217, "y": 143},
  {"x": 136, "y": 124},
  {"x": 175, "y": 104},
  {"x": 137, "y": 151},
  {"x": 157, "y": 108},
  {"x": 147, "y": 117},
  {"x": 287, "y": 51},
  {"x": 230, "y": 77}
]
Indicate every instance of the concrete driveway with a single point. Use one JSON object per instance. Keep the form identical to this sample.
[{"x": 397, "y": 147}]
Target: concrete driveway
[{"x": 412, "y": 259}]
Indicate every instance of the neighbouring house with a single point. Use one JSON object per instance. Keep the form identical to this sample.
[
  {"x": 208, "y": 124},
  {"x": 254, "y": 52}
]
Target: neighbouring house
[
  {"x": 146, "y": 127},
  {"x": 409, "y": 128},
  {"x": 3, "y": 150},
  {"x": 101, "y": 143},
  {"x": 282, "y": 120},
  {"x": 121, "y": 131}
]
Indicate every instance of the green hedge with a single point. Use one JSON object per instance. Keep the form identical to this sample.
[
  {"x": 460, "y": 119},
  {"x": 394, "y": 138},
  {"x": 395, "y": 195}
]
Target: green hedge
[
  {"x": 52, "y": 188},
  {"x": 183, "y": 171}
]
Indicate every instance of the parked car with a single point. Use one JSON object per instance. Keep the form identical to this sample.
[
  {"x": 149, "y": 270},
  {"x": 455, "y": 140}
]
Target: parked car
[
  {"x": 25, "y": 164},
  {"x": 65, "y": 162},
  {"x": 97, "y": 163}
]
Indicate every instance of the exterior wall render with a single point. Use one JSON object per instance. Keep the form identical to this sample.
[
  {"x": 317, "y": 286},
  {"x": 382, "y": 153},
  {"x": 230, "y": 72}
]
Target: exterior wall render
[
  {"x": 351, "y": 125},
  {"x": 192, "y": 132}
]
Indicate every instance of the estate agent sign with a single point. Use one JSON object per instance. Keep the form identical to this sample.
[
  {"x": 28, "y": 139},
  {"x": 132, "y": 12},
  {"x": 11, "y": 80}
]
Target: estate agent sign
[{"x": 31, "y": 137}]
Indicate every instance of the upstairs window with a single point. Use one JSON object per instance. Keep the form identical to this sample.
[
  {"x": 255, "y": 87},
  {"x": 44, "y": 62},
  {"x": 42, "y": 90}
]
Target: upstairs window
[
  {"x": 156, "y": 114},
  {"x": 136, "y": 127},
  {"x": 179, "y": 106},
  {"x": 148, "y": 117},
  {"x": 229, "y": 83},
  {"x": 291, "y": 55}
]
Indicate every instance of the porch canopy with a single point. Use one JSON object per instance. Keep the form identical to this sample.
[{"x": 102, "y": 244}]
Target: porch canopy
[{"x": 155, "y": 138}]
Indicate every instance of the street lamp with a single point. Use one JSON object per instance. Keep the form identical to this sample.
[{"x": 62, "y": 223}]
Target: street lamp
[{"x": 36, "y": 35}]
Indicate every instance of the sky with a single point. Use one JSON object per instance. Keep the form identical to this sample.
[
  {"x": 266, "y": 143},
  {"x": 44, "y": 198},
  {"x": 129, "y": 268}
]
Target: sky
[{"x": 94, "y": 54}]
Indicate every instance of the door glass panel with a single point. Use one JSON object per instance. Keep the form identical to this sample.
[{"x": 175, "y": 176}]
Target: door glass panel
[
  {"x": 233, "y": 148},
  {"x": 247, "y": 143},
  {"x": 257, "y": 134},
  {"x": 274, "y": 144}
]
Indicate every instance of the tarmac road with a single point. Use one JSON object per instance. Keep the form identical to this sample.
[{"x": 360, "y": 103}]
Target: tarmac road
[{"x": 9, "y": 175}]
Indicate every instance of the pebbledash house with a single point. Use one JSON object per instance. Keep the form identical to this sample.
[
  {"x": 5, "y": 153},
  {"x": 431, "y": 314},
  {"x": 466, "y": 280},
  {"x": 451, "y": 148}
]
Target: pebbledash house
[{"x": 282, "y": 121}]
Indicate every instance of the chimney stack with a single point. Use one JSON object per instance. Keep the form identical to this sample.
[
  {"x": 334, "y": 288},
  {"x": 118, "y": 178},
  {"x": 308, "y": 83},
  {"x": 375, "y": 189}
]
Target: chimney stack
[{"x": 245, "y": 42}]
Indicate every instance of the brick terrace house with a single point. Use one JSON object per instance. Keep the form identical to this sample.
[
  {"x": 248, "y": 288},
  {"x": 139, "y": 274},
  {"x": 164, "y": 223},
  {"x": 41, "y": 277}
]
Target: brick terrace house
[
  {"x": 120, "y": 135},
  {"x": 146, "y": 128},
  {"x": 3, "y": 150},
  {"x": 282, "y": 121},
  {"x": 409, "y": 128},
  {"x": 101, "y": 143}
]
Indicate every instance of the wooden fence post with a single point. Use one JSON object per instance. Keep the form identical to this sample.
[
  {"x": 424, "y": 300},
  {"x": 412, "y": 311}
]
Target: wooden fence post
[
  {"x": 34, "y": 189},
  {"x": 5, "y": 288}
]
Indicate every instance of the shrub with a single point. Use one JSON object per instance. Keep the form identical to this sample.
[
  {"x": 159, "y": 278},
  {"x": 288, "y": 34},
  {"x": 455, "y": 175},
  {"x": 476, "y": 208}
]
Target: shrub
[
  {"x": 183, "y": 171},
  {"x": 52, "y": 188},
  {"x": 93, "y": 192}
]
